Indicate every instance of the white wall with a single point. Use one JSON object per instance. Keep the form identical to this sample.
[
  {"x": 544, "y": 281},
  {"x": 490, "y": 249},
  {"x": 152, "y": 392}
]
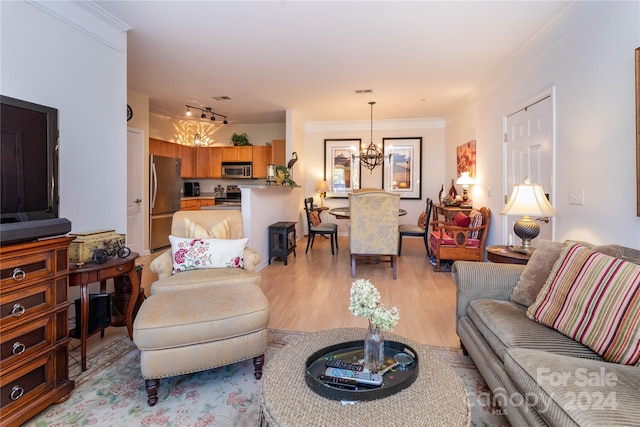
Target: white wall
[
  {"x": 433, "y": 143},
  {"x": 62, "y": 55},
  {"x": 589, "y": 59}
]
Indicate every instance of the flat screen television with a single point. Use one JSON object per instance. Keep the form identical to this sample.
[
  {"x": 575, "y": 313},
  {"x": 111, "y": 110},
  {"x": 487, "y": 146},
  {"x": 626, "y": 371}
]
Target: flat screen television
[{"x": 29, "y": 199}]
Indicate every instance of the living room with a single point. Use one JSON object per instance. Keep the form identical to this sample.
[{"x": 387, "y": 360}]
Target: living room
[{"x": 584, "y": 59}]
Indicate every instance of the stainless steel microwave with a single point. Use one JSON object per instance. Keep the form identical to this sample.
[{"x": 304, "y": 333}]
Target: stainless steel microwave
[{"x": 236, "y": 170}]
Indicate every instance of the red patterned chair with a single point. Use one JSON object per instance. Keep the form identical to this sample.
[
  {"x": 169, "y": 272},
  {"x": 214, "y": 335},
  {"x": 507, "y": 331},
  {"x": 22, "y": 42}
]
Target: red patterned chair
[{"x": 460, "y": 240}]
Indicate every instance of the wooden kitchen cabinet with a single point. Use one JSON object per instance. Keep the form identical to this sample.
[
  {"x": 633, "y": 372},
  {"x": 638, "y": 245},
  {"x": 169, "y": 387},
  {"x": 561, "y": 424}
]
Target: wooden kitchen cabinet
[
  {"x": 188, "y": 161},
  {"x": 189, "y": 204},
  {"x": 207, "y": 202},
  {"x": 278, "y": 152},
  {"x": 34, "y": 328},
  {"x": 163, "y": 148},
  {"x": 261, "y": 157},
  {"x": 241, "y": 153},
  {"x": 209, "y": 162}
]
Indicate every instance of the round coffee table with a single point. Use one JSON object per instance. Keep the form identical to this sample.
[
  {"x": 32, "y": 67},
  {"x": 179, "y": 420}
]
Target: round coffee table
[{"x": 437, "y": 397}]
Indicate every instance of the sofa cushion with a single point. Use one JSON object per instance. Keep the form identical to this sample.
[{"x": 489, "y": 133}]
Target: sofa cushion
[
  {"x": 476, "y": 221},
  {"x": 504, "y": 324},
  {"x": 536, "y": 272},
  {"x": 542, "y": 261},
  {"x": 190, "y": 254},
  {"x": 568, "y": 391},
  {"x": 196, "y": 279},
  {"x": 461, "y": 220},
  {"x": 595, "y": 299}
]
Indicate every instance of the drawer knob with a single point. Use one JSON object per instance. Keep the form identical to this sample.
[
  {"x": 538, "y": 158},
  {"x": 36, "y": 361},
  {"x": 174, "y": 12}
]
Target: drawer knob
[
  {"x": 120, "y": 268},
  {"x": 19, "y": 274},
  {"x": 16, "y": 392},
  {"x": 18, "y": 348},
  {"x": 17, "y": 310}
]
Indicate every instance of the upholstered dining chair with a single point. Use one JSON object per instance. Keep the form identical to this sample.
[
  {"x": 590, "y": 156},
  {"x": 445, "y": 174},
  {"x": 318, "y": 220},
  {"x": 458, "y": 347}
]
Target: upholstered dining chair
[
  {"x": 317, "y": 227},
  {"x": 374, "y": 227},
  {"x": 421, "y": 229}
]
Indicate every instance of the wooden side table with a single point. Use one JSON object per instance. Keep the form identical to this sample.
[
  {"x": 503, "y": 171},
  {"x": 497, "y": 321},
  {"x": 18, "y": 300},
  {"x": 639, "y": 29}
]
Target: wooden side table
[
  {"x": 91, "y": 273},
  {"x": 502, "y": 254},
  {"x": 282, "y": 240}
]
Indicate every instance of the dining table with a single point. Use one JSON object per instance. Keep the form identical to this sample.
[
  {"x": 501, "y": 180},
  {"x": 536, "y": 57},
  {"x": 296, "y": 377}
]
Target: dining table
[{"x": 345, "y": 212}]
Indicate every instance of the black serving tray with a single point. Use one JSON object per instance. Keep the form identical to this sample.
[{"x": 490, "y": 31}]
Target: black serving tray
[{"x": 394, "y": 380}]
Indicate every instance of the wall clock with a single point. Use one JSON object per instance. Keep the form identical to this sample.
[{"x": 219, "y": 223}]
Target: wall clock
[{"x": 129, "y": 112}]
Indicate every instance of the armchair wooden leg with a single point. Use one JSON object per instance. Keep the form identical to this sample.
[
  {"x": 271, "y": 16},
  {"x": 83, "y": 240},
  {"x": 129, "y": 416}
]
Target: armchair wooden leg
[
  {"x": 152, "y": 386},
  {"x": 258, "y": 363},
  {"x": 464, "y": 349}
]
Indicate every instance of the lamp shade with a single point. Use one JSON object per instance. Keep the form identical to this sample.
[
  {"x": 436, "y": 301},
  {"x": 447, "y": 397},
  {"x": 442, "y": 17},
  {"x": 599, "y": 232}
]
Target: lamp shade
[
  {"x": 528, "y": 199},
  {"x": 321, "y": 186},
  {"x": 465, "y": 179}
]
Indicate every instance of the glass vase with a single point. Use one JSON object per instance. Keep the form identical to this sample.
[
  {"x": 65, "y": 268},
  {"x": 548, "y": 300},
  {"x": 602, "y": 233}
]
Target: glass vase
[{"x": 373, "y": 348}]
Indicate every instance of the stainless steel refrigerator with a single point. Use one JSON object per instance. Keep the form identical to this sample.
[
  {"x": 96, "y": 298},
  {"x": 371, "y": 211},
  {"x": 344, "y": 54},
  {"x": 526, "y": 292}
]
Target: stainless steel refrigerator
[{"x": 164, "y": 198}]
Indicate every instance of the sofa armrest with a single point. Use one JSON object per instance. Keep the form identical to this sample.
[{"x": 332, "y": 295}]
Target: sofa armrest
[
  {"x": 162, "y": 265},
  {"x": 483, "y": 280},
  {"x": 251, "y": 259}
]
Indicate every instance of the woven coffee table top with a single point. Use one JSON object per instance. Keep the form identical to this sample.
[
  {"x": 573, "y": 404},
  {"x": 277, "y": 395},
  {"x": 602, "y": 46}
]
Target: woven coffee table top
[{"x": 437, "y": 397}]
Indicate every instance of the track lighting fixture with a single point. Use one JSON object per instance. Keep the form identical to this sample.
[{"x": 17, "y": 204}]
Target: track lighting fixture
[{"x": 204, "y": 112}]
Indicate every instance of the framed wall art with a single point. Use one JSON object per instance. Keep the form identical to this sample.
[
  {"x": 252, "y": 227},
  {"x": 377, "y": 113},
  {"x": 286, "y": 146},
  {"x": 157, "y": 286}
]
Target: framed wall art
[
  {"x": 466, "y": 158},
  {"x": 402, "y": 168},
  {"x": 340, "y": 172}
]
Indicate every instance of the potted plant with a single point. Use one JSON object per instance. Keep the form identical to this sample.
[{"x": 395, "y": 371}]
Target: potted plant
[
  {"x": 283, "y": 176},
  {"x": 240, "y": 139}
]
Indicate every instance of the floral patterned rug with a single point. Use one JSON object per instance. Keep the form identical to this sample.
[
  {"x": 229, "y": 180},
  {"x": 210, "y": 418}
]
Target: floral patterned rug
[{"x": 112, "y": 392}]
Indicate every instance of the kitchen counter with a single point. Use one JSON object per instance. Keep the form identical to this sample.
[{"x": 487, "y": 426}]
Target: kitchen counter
[{"x": 221, "y": 207}]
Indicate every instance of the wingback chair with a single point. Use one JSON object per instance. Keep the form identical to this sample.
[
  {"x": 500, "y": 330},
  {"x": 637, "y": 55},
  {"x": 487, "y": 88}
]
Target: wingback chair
[
  {"x": 374, "y": 227},
  {"x": 202, "y": 318},
  {"x": 457, "y": 242}
]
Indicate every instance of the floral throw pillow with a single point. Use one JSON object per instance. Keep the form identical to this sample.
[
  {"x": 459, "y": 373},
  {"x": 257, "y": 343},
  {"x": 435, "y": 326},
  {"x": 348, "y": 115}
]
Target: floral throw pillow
[{"x": 191, "y": 254}]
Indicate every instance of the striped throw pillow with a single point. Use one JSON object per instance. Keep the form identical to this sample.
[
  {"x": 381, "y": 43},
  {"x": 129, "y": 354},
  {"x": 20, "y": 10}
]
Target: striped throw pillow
[{"x": 594, "y": 299}]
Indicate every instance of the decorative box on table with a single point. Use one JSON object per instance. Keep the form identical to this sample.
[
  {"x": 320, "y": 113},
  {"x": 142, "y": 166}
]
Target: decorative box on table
[{"x": 83, "y": 247}]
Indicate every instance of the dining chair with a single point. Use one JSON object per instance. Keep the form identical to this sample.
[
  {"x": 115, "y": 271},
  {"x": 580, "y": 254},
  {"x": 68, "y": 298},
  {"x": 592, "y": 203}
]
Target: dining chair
[
  {"x": 417, "y": 230},
  {"x": 317, "y": 227},
  {"x": 374, "y": 227}
]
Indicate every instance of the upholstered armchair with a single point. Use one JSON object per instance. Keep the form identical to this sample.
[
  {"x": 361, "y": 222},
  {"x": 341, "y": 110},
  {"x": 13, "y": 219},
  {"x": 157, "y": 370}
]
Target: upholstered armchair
[
  {"x": 461, "y": 239},
  {"x": 202, "y": 318},
  {"x": 205, "y": 219},
  {"x": 374, "y": 227}
]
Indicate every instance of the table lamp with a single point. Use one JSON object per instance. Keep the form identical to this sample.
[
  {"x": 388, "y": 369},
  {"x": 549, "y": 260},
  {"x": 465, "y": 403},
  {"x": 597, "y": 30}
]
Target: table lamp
[
  {"x": 528, "y": 200},
  {"x": 465, "y": 180},
  {"x": 321, "y": 187}
]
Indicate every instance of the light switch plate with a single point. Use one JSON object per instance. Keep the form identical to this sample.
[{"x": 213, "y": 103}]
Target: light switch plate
[{"x": 576, "y": 197}]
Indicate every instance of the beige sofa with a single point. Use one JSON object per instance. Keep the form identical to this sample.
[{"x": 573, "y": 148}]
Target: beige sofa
[
  {"x": 537, "y": 375},
  {"x": 201, "y": 319}
]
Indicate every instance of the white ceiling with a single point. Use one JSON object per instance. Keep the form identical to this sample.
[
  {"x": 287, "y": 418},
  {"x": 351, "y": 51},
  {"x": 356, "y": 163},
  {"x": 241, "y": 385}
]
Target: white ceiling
[{"x": 420, "y": 58}]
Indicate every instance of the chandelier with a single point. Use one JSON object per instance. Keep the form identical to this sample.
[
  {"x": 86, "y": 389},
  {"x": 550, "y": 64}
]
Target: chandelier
[{"x": 370, "y": 156}]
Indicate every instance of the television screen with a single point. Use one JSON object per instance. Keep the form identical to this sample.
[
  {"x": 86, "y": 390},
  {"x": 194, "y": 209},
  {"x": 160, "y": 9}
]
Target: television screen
[{"x": 28, "y": 170}]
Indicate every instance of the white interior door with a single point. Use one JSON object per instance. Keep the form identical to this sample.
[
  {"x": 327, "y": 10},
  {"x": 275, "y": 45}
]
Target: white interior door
[
  {"x": 530, "y": 153},
  {"x": 135, "y": 184}
]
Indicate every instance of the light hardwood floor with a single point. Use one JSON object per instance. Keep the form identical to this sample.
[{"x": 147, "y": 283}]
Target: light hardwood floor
[{"x": 311, "y": 293}]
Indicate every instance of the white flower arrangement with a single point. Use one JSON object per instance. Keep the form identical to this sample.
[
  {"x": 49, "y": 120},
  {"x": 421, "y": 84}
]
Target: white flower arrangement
[{"x": 365, "y": 302}]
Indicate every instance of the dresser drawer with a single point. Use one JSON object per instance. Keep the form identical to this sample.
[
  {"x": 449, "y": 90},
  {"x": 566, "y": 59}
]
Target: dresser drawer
[
  {"x": 24, "y": 384},
  {"x": 15, "y": 271},
  {"x": 21, "y": 343},
  {"x": 16, "y": 306},
  {"x": 116, "y": 271}
]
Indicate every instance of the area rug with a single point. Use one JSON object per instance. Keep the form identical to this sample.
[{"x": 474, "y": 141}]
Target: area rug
[{"x": 112, "y": 392}]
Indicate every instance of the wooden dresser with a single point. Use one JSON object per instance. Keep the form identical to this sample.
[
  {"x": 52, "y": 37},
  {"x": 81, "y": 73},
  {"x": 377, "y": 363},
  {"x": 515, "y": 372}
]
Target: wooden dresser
[{"x": 34, "y": 331}]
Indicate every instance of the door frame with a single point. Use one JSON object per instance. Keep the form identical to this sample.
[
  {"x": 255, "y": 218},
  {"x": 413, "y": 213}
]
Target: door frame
[
  {"x": 139, "y": 160},
  {"x": 549, "y": 92}
]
